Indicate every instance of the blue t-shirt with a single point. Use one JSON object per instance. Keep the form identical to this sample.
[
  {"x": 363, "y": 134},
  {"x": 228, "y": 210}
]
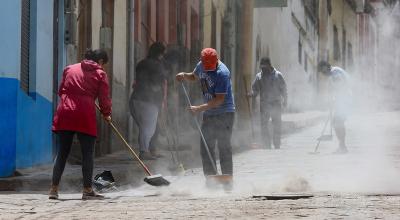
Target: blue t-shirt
[{"x": 216, "y": 82}]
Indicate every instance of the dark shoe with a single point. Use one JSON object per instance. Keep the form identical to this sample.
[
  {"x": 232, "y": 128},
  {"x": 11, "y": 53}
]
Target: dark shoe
[
  {"x": 146, "y": 156},
  {"x": 53, "y": 193},
  {"x": 92, "y": 195}
]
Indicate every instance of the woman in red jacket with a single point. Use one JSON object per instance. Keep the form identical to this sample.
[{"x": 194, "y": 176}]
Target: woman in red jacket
[{"x": 81, "y": 85}]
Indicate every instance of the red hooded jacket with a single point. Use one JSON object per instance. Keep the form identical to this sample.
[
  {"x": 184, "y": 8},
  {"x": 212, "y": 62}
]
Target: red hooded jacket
[{"x": 81, "y": 85}]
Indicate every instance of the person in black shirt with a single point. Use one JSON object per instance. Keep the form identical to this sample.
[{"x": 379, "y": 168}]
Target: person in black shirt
[{"x": 147, "y": 97}]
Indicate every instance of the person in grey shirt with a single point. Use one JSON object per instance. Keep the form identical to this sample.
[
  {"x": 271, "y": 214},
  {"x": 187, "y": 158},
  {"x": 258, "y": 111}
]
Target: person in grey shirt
[
  {"x": 340, "y": 100},
  {"x": 271, "y": 86}
]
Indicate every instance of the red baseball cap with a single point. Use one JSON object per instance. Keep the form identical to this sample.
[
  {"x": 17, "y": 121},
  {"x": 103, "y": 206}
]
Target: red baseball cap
[{"x": 209, "y": 59}]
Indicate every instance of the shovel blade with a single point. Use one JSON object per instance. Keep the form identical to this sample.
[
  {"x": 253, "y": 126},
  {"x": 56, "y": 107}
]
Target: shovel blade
[
  {"x": 220, "y": 178},
  {"x": 156, "y": 180}
]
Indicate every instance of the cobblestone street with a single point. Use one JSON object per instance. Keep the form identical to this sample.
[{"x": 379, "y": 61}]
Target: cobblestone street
[
  {"x": 28, "y": 206},
  {"x": 363, "y": 184},
  {"x": 114, "y": 108}
]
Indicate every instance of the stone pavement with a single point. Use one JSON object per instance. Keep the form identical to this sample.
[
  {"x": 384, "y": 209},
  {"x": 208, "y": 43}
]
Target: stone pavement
[
  {"x": 127, "y": 172},
  {"x": 34, "y": 206},
  {"x": 363, "y": 184}
]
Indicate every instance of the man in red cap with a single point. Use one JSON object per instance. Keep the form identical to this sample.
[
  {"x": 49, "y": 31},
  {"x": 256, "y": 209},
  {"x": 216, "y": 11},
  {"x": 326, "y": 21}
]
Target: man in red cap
[{"x": 218, "y": 108}]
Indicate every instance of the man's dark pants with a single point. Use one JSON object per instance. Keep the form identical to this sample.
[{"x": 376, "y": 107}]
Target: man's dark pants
[
  {"x": 271, "y": 111},
  {"x": 217, "y": 129}
]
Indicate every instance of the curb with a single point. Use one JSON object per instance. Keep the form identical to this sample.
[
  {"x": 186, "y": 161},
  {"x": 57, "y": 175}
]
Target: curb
[{"x": 126, "y": 172}]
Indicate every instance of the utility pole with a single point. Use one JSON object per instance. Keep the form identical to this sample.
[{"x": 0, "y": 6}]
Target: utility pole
[{"x": 244, "y": 69}]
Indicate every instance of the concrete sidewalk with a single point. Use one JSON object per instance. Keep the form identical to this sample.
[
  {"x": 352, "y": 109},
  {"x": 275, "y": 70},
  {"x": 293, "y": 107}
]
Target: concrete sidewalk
[{"x": 127, "y": 171}]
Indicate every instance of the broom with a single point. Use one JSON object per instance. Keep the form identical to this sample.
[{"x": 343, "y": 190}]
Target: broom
[{"x": 154, "y": 180}]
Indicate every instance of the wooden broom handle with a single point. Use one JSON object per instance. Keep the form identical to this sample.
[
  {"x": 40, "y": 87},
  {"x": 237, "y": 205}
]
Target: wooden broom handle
[{"x": 127, "y": 145}]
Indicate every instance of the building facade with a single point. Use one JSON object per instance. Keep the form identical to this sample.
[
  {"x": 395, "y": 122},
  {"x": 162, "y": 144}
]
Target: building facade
[
  {"x": 26, "y": 83},
  {"x": 353, "y": 34},
  {"x": 289, "y": 36}
]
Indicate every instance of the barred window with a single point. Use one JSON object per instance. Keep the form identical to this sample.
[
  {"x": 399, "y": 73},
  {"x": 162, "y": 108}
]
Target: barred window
[
  {"x": 300, "y": 51},
  {"x": 336, "y": 45},
  {"x": 344, "y": 48},
  {"x": 25, "y": 44}
]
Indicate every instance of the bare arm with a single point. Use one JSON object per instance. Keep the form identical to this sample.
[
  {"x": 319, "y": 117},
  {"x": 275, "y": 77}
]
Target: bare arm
[
  {"x": 185, "y": 76},
  {"x": 283, "y": 89},
  {"x": 255, "y": 91},
  {"x": 213, "y": 103}
]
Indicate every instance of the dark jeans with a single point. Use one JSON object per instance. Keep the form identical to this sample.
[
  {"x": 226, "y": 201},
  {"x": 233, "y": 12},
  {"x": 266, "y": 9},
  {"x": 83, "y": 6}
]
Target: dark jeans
[
  {"x": 271, "y": 111},
  {"x": 87, "y": 146},
  {"x": 217, "y": 129}
]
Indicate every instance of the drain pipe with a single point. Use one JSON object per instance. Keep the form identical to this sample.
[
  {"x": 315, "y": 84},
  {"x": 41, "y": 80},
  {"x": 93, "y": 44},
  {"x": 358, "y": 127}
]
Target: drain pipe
[{"x": 131, "y": 61}]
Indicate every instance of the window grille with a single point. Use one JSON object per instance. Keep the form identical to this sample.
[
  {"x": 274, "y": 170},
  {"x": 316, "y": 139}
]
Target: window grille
[{"x": 25, "y": 44}]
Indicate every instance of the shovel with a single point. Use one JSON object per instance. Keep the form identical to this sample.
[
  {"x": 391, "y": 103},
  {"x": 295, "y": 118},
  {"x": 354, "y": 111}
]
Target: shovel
[
  {"x": 154, "y": 180},
  {"x": 224, "y": 179},
  {"x": 254, "y": 144},
  {"x": 327, "y": 137},
  {"x": 323, "y": 137}
]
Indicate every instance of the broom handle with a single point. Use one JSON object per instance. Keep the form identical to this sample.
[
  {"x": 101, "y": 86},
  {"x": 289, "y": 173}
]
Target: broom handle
[
  {"x": 127, "y": 145},
  {"x": 199, "y": 128}
]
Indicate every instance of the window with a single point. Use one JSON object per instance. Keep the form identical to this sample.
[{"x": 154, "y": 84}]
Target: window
[
  {"x": 329, "y": 7},
  {"x": 305, "y": 62},
  {"x": 311, "y": 10},
  {"x": 145, "y": 26},
  {"x": 344, "y": 48},
  {"x": 214, "y": 27},
  {"x": 300, "y": 51},
  {"x": 327, "y": 54},
  {"x": 336, "y": 47},
  {"x": 258, "y": 47},
  {"x": 350, "y": 59},
  {"x": 25, "y": 44}
]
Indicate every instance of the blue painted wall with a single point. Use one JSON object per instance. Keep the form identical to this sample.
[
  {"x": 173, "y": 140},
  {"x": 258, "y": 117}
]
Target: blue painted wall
[
  {"x": 8, "y": 101},
  {"x": 34, "y": 115},
  {"x": 34, "y": 138},
  {"x": 25, "y": 122},
  {"x": 44, "y": 48},
  {"x": 10, "y": 40}
]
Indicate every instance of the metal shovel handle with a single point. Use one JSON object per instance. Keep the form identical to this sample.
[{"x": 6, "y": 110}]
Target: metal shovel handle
[
  {"x": 199, "y": 128},
  {"x": 322, "y": 133}
]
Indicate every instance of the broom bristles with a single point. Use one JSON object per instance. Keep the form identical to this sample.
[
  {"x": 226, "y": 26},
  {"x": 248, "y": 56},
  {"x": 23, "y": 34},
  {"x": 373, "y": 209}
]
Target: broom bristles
[{"x": 156, "y": 180}]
